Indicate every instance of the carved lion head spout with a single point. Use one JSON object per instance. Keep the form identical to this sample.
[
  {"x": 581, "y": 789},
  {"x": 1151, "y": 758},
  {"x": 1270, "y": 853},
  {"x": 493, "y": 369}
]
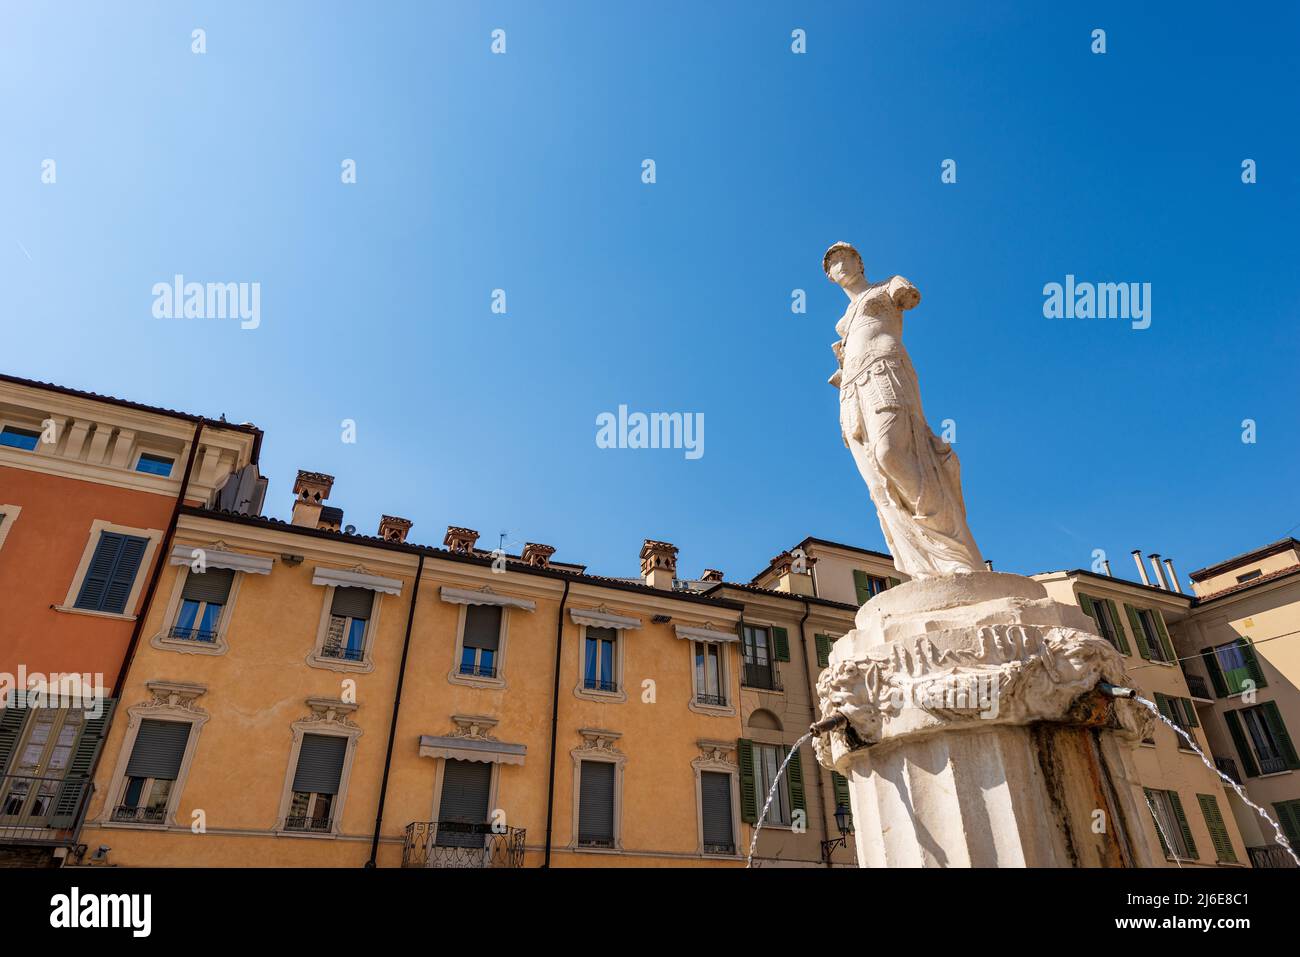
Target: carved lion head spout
[{"x": 843, "y": 265}]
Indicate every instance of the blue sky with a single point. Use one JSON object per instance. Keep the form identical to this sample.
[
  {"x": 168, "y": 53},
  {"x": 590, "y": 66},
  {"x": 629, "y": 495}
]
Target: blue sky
[{"x": 522, "y": 172}]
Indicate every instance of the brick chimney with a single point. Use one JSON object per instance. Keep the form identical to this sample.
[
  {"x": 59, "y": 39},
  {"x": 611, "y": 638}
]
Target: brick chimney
[
  {"x": 310, "y": 490},
  {"x": 711, "y": 575},
  {"x": 394, "y": 529},
  {"x": 794, "y": 573},
  {"x": 460, "y": 540},
  {"x": 658, "y": 564},
  {"x": 537, "y": 555}
]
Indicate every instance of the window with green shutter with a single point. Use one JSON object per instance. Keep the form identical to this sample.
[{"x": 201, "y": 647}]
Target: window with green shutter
[
  {"x": 1236, "y": 667},
  {"x": 1171, "y": 824},
  {"x": 1268, "y": 738},
  {"x": 823, "y": 650},
  {"x": 1218, "y": 830},
  {"x": 748, "y": 783},
  {"x": 1288, "y": 815},
  {"x": 1238, "y": 734},
  {"x": 867, "y": 586},
  {"x": 780, "y": 644},
  {"x": 840, "y": 788},
  {"x": 1102, "y": 612}
]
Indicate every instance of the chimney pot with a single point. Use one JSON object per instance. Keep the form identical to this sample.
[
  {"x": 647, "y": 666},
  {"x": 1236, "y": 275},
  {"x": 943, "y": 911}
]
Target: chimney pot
[
  {"x": 1159, "y": 575},
  {"x": 538, "y": 555},
  {"x": 712, "y": 575},
  {"x": 658, "y": 564},
  {"x": 394, "y": 529},
  {"x": 1142, "y": 571},
  {"x": 1173, "y": 576},
  {"x": 310, "y": 490},
  {"x": 460, "y": 540}
]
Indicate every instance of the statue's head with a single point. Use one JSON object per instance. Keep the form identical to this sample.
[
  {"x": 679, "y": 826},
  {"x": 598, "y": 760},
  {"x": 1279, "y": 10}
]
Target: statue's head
[{"x": 842, "y": 264}]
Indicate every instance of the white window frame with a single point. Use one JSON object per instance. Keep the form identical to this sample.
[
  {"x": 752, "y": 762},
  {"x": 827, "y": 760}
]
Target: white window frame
[
  {"x": 172, "y": 701},
  {"x": 479, "y": 681},
  {"x": 316, "y": 657},
  {"x": 617, "y": 696},
  {"x": 97, "y": 527},
  {"x": 160, "y": 453},
  {"x": 598, "y": 745},
  {"x": 10, "y": 515},
  {"x": 164, "y": 641},
  {"x": 329, "y": 718},
  {"x": 1168, "y": 825}
]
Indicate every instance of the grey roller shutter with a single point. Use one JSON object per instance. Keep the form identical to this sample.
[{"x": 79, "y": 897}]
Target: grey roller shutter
[
  {"x": 465, "y": 786},
  {"x": 482, "y": 626},
  {"x": 159, "y": 747},
  {"x": 212, "y": 585},
  {"x": 320, "y": 763},
  {"x": 596, "y": 803},
  {"x": 353, "y": 602},
  {"x": 715, "y": 796}
]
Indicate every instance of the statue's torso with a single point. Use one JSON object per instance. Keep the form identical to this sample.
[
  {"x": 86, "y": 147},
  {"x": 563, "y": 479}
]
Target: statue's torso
[{"x": 871, "y": 327}]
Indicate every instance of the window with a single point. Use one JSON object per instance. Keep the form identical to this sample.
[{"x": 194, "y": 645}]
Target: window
[
  {"x": 715, "y": 808},
  {"x": 867, "y": 586},
  {"x": 1265, "y": 744},
  {"x": 463, "y": 810},
  {"x": 478, "y": 657},
  {"x": 202, "y": 601},
  {"x": 1148, "y": 627},
  {"x": 316, "y": 782},
  {"x": 1171, "y": 824},
  {"x": 1218, "y": 830},
  {"x": 350, "y": 611},
  {"x": 759, "y": 764},
  {"x": 1288, "y": 815},
  {"x": 154, "y": 464},
  {"x": 598, "y": 662},
  {"x": 28, "y": 790},
  {"x": 110, "y": 576},
  {"x": 1249, "y": 576},
  {"x": 761, "y": 648},
  {"x": 1152, "y": 635},
  {"x": 1103, "y": 612},
  {"x": 152, "y": 771},
  {"x": 1233, "y": 667},
  {"x": 16, "y": 438},
  {"x": 596, "y": 804},
  {"x": 1181, "y": 711},
  {"x": 710, "y": 686}
]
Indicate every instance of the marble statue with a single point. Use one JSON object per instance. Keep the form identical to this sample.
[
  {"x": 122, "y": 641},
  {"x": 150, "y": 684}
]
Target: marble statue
[{"x": 913, "y": 475}]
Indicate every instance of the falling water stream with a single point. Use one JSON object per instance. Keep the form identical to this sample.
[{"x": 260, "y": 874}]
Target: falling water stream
[
  {"x": 771, "y": 795},
  {"x": 1149, "y": 705},
  {"x": 1277, "y": 830}
]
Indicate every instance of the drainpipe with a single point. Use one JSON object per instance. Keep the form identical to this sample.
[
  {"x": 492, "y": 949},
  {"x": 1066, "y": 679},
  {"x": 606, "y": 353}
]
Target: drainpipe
[
  {"x": 146, "y": 602},
  {"x": 397, "y": 703},
  {"x": 812, "y": 700},
  {"x": 555, "y": 722}
]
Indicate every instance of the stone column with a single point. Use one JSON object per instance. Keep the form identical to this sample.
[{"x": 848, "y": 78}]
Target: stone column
[{"x": 975, "y": 733}]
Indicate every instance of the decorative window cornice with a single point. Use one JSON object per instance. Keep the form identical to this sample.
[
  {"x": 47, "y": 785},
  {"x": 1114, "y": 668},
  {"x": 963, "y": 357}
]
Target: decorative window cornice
[
  {"x": 175, "y": 695},
  {"x": 219, "y": 555},
  {"x": 705, "y": 632},
  {"x": 356, "y": 577},
  {"x": 599, "y": 742},
  {"x": 332, "y": 711},
  {"x": 484, "y": 596},
  {"x": 602, "y": 617}
]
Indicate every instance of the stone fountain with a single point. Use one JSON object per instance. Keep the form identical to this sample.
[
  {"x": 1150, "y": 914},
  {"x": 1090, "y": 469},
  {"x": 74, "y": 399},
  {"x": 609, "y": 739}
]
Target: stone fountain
[{"x": 979, "y": 722}]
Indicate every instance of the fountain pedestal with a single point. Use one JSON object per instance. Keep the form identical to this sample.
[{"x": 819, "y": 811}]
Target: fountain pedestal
[{"x": 976, "y": 735}]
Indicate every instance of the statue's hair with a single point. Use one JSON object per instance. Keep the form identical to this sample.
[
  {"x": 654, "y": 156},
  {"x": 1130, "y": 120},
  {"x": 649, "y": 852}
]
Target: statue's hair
[{"x": 836, "y": 250}]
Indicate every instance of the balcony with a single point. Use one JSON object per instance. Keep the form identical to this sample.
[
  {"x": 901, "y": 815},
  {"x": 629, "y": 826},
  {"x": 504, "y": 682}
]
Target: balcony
[
  {"x": 124, "y": 814},
  {"x": 455, "y": 844},
  {"x": 181, "y": 633},
  {"x": 341, "y": 652},
  {"x": 1270, "y": 856},
  {"x": 1229, "y": 767},
  {"x": 762, "y": 675},
  {"x": 711, "y": 700},
  {"x": 600, "y": 684},
  {"x": 42, "y": 811}
]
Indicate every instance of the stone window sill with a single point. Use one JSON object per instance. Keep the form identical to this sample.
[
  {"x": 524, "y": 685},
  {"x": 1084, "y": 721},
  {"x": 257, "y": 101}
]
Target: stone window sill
[
  {"x": 70, "y": 610},
  {"x": 318, "y": 835},
  {"x": 605, "y": 697},
  {"x": 489, "y": 684},
  {"x": 364, "y": 666},
  {"x": 164, "y": 642}
]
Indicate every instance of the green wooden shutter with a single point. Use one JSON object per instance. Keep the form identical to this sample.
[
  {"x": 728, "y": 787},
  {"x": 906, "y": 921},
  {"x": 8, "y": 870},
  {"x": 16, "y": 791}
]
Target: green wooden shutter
[
  {"x": 862, "y": 586},
  {"x": 1248, "y": 765},
  {"x": 1218, "y": 830},
  {"x": 840, "y": 786},
  {"x": 1139, "y": 635},
  {"x": 1288, "y": 815},
  {"x": 823, "y": 650},
  {"x": 780, "y": 644},
  {"x": 1211, "y": 661},
  {"x": 80, "y": 766},
  {"x": 1189, "y": 711},
  {"x": 748, "y": 795},
  {"x": 1273, "y": 718},
  {"x": 1162, "y": 703},
  {"x": 1155, "y": 820},
  {"x": 1119, "y": 628},
  {"x": 794, "y": 780},
  {"x": 1182, "y": 825},
  {"x": 1089, "y": 609},
  {"x": 12, "y": 719},
  {"x": 1163, "y": 632},
  {"x": 1252, "y": 663},
  {"x": 892, "y": 582}
]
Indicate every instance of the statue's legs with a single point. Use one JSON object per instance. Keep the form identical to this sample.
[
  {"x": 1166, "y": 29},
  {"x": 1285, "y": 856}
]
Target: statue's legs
[{"x": 890, "y": 439}]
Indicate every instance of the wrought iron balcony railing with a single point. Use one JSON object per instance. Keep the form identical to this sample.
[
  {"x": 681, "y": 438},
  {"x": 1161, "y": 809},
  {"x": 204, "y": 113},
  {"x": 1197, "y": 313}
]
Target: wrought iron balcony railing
[
  {"x": 123, "y": 814},
  {"x": 457, "y": 844},
  {"x": 599, "y": 684},
  {"x": 42, "y": 810},
  {"x": 1197, "y": 687},
  {"x": 761, "y": 675},
  {"x": 301, "y": 822},
  {"x": 478, "y": 671},
  {"x": 711, "y": 700},
  {"x": 192, "y": 634},
  {"x": 341, "y": 652},
  {"x": 1270, "y": 856}
]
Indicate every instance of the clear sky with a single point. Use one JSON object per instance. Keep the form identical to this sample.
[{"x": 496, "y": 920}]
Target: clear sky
[{"x": 522, "y": 171}]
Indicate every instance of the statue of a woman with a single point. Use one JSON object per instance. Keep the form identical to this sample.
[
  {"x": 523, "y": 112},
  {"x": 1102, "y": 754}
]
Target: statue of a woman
[{"x": 913, "y": 475}]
